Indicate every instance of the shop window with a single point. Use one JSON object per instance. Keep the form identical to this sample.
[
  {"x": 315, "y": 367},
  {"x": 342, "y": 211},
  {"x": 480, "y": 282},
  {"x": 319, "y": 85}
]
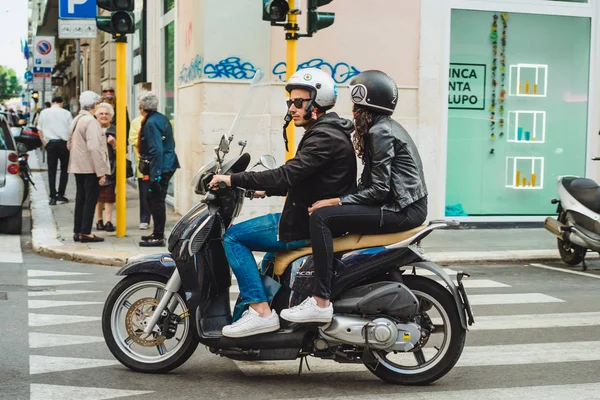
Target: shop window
[{"x": 517, "y": 110}]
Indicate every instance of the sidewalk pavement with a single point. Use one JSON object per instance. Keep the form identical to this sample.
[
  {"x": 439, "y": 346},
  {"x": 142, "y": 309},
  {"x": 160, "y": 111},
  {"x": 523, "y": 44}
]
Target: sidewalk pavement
[{"x": 53, "y": 227}]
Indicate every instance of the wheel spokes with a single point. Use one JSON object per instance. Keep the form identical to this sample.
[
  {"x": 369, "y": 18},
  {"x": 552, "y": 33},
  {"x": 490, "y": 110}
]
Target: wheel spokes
[
  {"x": 419, "y": 357},
  {"x": 162, "y": 349}
]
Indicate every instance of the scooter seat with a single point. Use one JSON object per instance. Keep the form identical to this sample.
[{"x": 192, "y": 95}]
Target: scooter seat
[
  {"x": 585, "y": 191},
  {"x": 345, "y": 243}
]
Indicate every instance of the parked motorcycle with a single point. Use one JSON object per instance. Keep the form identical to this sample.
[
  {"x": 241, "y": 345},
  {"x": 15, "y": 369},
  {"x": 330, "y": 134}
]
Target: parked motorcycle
[
  {"x": 405, "y": 328},
  {"x": 578, "y": 224}
]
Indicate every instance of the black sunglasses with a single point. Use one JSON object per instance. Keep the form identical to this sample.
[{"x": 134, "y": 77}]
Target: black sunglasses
[
  {"x": 296, "y": 102},
  {"x": 108, "y": 91}
]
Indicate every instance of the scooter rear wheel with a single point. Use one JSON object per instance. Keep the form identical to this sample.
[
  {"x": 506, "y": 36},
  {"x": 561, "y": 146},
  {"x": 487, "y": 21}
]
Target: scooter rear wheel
[{"x": 569, "y": 252}]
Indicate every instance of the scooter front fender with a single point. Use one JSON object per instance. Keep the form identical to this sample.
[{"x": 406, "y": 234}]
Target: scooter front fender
[{"x": 159, "y": 264}]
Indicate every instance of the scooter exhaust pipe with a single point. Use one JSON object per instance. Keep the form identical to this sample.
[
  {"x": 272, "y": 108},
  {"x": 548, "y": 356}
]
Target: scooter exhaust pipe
[{"x": 553, "y": 226}]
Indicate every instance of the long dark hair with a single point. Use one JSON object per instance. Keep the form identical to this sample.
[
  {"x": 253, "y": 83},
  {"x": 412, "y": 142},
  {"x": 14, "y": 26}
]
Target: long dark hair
[{"x": 363, "y": 120}]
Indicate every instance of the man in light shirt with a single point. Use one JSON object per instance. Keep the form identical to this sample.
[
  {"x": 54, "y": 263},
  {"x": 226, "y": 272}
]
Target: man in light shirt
[{"x": 54, "y": 127}]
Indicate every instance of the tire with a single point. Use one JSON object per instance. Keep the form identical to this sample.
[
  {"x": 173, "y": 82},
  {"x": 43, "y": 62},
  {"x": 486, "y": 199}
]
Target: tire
[
  {"x": 452, "y": 347},
  {"x": 570, "y": 253},
  {"x": 13, "y": 224},
  {"x": 132, "y": 359},
  {"x": 25, "y": 191}
]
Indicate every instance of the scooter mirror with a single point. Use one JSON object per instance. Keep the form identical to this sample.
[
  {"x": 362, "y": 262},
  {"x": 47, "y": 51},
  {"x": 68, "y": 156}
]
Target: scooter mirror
[
  {"x": 268, "y": 161},
  {"x": 224, "y": 145}
]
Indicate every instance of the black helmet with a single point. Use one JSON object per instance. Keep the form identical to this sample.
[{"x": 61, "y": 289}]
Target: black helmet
[{"x": 374, "y": 90}]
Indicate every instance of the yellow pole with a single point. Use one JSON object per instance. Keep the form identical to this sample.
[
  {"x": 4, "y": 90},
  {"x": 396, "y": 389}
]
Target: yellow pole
[
  {"x": 291, "y": 39},
  {"x": 121, "y": 94}
]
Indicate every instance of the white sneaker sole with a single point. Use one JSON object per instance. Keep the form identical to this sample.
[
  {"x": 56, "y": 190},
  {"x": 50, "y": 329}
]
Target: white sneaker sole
[
  {"x": 307, "y": 321},
  {"x": 266, "y": 329}
]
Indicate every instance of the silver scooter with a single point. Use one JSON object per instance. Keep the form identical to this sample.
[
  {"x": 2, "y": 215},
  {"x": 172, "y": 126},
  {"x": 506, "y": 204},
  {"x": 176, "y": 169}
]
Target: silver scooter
[{"x": 578, "y": 224}]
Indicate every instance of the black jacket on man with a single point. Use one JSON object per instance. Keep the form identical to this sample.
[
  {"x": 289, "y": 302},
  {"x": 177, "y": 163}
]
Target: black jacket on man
[
  {"x": 324, "y": 167},
  {"x": 393, "y": 174}
]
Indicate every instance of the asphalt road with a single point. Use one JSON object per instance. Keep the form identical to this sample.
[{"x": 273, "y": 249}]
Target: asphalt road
[{"x": 537, "y": 335}]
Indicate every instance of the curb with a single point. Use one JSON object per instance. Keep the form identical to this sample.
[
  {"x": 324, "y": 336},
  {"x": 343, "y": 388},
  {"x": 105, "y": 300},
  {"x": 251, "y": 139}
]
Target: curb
[{"x": 46, "y": 240}]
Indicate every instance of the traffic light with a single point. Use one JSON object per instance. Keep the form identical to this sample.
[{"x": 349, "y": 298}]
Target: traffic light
[
  {"x": 318, "y": 20},
  {"x": 121, "y": 21},
  {"x": 35, "y": 96},
  {"x": 275, "y": 10}
]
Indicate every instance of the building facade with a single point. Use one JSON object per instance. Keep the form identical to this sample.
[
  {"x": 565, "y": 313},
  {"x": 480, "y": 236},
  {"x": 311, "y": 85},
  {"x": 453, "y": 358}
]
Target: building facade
[{"x": 498, "y": 95}]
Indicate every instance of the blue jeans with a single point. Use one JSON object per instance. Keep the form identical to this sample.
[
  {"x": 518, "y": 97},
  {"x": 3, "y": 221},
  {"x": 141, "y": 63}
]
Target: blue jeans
[{"x": 258, "y": 234}]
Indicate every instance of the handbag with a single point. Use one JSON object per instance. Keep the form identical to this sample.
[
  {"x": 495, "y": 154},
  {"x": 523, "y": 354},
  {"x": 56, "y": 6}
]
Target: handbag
[{"x": 144, "y": 166}]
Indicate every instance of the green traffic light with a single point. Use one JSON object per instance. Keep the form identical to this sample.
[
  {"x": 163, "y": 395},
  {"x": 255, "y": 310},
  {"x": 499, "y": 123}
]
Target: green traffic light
[{"x": 105, "y": 24}]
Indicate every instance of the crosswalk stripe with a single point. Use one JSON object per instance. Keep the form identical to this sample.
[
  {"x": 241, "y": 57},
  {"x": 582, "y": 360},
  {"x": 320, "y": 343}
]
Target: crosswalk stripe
[
  {"x": 533, "y": 321},
  {"x": 45, "y": 364},
  {"x": 577, "y": 391},
  {"x": 51, "y": 303},
  {"x": 474, "y": 356},
  {"x": 52, "y": 282},
  {"x": 34, "y": 273},
  {"x": 43, "y": 340},
  {"x": 511, "y": 298},
  {"x": 60, "y": 292},
  {"x": 48, "y": 320},
  {"x": 60, "y": 392}
]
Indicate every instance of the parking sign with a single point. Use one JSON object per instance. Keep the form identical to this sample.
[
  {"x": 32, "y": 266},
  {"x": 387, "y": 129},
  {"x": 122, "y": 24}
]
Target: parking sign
[{"x": 77, "y": 9}]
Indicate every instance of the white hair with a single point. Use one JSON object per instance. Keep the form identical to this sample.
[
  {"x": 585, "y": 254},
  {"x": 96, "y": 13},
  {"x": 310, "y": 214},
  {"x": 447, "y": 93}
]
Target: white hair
[
  {"x": 108, "y": 106},
  {"x": 147, "y": 101},
  {"x": 88, "y": 99}
]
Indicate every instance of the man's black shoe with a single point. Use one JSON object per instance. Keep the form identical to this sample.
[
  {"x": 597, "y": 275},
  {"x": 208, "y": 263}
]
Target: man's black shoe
[
  {"x": 52, "y": 201},
  {"x": 149, "y": 237},
  {"x": 153, "y": 242},
  {"x": 62, "y": 200}
]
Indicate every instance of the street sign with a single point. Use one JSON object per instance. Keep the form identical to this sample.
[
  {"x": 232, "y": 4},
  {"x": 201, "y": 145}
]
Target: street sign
[
  {"x": 77, "y": 29},
  {"x": 28, "y": 76},
  {"x": 77, "y": 9},
  {"x": 38, "y": 79},
  {"x": 43, "y": 51}
]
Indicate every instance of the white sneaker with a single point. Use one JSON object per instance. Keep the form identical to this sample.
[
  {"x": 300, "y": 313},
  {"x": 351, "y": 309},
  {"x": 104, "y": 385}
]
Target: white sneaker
[
  {"x": 143, "y": 226},
  {"x": 251, "y": 323},
  {"x": 308, "y": 311}
]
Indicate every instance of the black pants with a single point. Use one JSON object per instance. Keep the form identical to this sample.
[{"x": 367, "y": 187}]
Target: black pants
[
  {"x": 156, "y": 201},
  {"x": 327, "y": 222},
  {"x": 85, "y": 202},
  {"x": 143, "y": 187},
  {"x": 57, "y": 150}
]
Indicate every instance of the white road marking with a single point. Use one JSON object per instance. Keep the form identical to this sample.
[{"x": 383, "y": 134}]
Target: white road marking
[
  {"x": 60, "y": 392},
  {"x": 45, "y": 364},
  {"x": 52, "y": 303},
  {"x": 52, "y": 282},
  {"x": 60, "y": 292},
  {"x": 48, "y": 320},
  {"x": 34, "y": 273},
  {"x": 533, "y": 321},
  {"x": 511, "y": 298},
  {"x": 566, "y": 271},
  {"x": 43, "y": 340}
]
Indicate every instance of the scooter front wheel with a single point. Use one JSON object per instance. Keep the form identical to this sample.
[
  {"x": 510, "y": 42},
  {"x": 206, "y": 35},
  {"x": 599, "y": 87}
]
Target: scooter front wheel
[{"x": 126, "y": 313}]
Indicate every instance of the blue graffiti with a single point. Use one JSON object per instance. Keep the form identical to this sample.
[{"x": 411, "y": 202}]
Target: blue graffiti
[
  {"x": 192, "y": 72},
  {"x": 341, "y": 72},
  {"x": 231, "y": 67}
]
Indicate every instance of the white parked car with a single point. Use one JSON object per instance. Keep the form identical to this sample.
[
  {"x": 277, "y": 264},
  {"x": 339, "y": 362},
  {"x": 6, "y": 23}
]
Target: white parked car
[{"x": 11, "y": 184}]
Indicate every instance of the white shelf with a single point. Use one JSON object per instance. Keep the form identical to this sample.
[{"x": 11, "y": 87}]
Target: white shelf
[
  {"x": 524, "y": 124},
  {"x": 528, "y": 80},
  {"x": 524, "y": 173}
]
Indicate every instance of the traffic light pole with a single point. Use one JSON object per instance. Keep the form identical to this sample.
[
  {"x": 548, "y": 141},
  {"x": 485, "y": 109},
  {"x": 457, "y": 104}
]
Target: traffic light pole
[
  {"x": 291, "y": 39},
  {"x": 121, "y": 95}
]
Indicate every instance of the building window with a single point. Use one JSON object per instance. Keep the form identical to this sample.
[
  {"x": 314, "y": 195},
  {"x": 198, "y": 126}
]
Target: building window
[
  {"x": 517, "y": 110},
  {"x": 167, "y": 91},
  {"x": 168, "y": 5}
]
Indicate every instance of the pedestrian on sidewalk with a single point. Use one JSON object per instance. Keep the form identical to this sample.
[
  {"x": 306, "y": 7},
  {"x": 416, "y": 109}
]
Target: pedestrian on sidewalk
[
  {"x": 54, "y": 125},
  {"x": 107, "y": 196},
  {"x": 89, "y": 163},
  {"x": 143, "y": 185},
  {"x": 108, "y": 95},
  {"x": 156, "y": 146}
]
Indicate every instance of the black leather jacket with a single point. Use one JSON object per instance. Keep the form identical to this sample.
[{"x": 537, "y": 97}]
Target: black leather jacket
[
  {"x": 393, "y": 174},
  {"x": 324, "y": 167}
]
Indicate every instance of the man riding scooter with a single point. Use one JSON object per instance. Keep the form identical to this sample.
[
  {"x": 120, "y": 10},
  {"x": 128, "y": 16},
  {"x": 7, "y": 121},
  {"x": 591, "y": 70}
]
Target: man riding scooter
[{"x": 324, "y": 167}]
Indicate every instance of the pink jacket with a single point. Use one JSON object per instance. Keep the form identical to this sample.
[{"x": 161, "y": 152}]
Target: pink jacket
[{"x": 87, "y": 144}]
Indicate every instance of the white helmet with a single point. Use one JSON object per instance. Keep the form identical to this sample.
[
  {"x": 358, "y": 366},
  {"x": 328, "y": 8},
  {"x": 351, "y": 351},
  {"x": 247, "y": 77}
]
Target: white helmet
[{"x": 318, "y": 83}]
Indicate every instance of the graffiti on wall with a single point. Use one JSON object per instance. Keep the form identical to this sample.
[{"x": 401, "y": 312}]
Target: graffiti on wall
[
  {"x": 230, "y": 68},
  {"x": 341, "y": 72},
  {"x": 191, "y": 72}
]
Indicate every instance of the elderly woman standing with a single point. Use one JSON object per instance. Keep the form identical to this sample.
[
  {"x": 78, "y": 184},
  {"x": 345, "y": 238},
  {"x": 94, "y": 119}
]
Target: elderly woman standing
[
  {"x": 157, "y": 152},
  {"x": 107, "y": 198},
  {"x": 89, "y": 162}
]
